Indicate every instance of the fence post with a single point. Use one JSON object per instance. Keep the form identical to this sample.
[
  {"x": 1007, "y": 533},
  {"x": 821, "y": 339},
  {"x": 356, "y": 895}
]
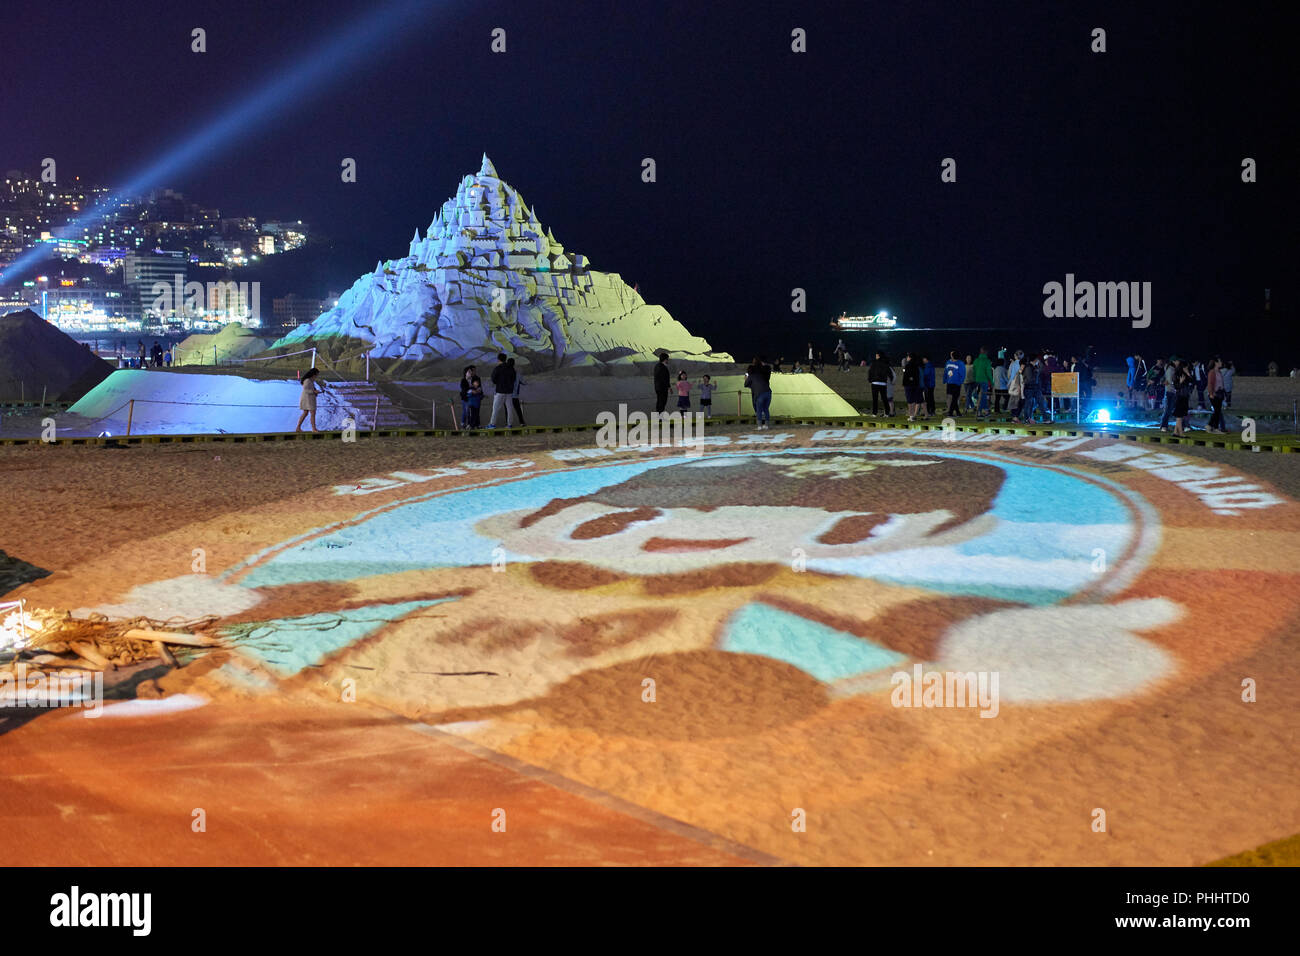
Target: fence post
[
  {"x": 374, "y": 422},
  {"x": 367, "y": 366},
  {"x": 214, "y": 355},
  {"x": 455, "y": 424},
  {"x": 130, "y": 414},
  {"x": 313, "y": 357},
  {"x": 738, "y": 403}
]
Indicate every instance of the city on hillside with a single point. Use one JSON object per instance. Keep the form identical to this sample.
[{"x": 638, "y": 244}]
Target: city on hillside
[{"x": 131, "y": 266}]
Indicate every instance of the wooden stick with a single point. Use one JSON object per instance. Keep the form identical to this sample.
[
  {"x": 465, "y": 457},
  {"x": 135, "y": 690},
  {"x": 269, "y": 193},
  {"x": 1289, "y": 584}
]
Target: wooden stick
[
  {"x": 170, "y": 637},
  {"x": 91, "y": 654},
  {"x": 161, "y": 650}
]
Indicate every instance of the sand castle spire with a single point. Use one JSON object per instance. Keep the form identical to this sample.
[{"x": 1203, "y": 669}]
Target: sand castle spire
[{"x": 487, "y": 169}]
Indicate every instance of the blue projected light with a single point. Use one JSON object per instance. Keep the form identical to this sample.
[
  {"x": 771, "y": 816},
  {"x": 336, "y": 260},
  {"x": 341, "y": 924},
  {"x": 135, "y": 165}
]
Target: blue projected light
[
  {"x": 311, "y": 74},
  {"x": 1102, "y": 417}
]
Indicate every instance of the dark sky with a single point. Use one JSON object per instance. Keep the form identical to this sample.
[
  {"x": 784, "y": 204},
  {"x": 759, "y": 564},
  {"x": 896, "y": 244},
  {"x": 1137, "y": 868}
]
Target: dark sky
[{"x": 775, "y": 170}]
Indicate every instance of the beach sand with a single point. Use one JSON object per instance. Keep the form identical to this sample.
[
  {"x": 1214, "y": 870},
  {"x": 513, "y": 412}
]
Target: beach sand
[{"x": 524, "y": 689}]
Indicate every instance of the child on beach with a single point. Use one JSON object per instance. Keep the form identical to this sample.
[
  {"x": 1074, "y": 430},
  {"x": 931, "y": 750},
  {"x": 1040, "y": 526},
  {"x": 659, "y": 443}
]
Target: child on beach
[
  {"x": 475, "y": 401},
  {"x": 683, "y": 392},
  {"x": 706, "y": 395}
]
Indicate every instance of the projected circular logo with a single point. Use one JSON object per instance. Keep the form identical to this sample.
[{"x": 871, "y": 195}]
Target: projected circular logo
[
  {"x": 771, "y": 583},
  {"x": 907, "y": 638}
]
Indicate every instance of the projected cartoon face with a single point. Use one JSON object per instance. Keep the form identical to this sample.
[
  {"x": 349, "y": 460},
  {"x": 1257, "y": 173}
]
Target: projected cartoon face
[
  {"x": 686, "y": 517},
  {"x": 771, "y": 598},
  {"x": 913, "y": 556}
]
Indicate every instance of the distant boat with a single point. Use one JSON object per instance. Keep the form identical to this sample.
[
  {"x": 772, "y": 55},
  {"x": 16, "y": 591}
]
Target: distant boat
[{"x": 864, "y": 323}]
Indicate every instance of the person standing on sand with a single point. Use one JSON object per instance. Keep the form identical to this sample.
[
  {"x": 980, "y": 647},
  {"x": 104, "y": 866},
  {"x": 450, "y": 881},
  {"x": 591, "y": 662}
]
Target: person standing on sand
[
  {"x": 1031, "y": 374},
  {"x": 1214, "y": 385},
  {"x": 1227, "y": 372},
  {"x": 889, "y": 387},
  {"x": 758, "y": 379},
  {"x": 474, "y": 402},
  {"x": 983, "y": 371},
  {"x": 661, "y": 382},
  {"x": 912, "y": 386},
  {"x": 307, "y": 402},
  {"x": 503, "y": 384},
  {"x": 514, "y": 396},
  {"x": 683, "y": 392},
  {"x": 706, "y": 396},
  {"x": 1184, "y": 382},
  {"x": 465, "y": 379},
  {"x": 954, "y": 374},
  {"x": 1170, "y": 385},
  {"x": 1000, "y": 385},
  {"x": 878, "y": 376},
  {"x": 1016, "y": 387}
]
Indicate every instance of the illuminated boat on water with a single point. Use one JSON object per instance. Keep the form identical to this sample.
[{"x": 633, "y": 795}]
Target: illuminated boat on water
[{"x": 864, "y": 323}]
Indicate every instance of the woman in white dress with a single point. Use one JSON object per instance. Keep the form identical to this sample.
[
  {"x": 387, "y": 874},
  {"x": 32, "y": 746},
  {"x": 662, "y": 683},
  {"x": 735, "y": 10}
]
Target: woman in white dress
[{"x": 310, "y": 388}]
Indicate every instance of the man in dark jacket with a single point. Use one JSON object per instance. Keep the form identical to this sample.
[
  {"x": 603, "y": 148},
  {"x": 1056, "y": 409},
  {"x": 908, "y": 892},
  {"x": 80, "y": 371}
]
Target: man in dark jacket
[
  {"x": 878, "y": 373},
  {"x": 661, "y": 382},
  {"x": 503, "y": 384},
  {"x": 912, "y": 386},
  {"x": 758, "y": 379}
]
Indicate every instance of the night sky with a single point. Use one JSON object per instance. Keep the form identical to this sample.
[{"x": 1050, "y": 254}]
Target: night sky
[{"x": 775, "y": 169}]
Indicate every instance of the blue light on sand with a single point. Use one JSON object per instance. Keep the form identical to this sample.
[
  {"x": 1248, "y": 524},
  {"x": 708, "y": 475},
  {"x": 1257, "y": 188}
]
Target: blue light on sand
[{"x": 818, "y": 650}]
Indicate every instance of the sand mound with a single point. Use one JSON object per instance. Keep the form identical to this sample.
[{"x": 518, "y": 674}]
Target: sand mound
[
  {"x": 232, "y": 342},
  {"x": 34, "y": 355},
  {"x": 179, "y": 403}
]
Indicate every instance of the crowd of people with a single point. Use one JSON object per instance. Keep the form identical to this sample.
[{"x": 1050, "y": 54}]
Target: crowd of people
[
  {"x": 157, "y": 357},
  {"x": 1171, "y": 382},
  {"x": 1010, "y": 383}
]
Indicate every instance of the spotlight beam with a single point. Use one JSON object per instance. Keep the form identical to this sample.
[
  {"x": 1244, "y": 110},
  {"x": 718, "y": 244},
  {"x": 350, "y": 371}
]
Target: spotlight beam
[{"x": 322, "y": 66}]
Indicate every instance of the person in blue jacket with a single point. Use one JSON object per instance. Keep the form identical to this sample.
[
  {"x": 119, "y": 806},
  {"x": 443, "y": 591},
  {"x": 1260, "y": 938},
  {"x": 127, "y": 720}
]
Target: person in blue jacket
[
  {"x": 1137, "y": 376},
  {"x": 954, "y": 375},
  {"x": 927, "y": 384}
]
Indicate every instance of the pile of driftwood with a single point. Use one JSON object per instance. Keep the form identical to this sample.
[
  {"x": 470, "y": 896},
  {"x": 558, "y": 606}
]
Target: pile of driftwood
[{"x": 96, "y": 643}]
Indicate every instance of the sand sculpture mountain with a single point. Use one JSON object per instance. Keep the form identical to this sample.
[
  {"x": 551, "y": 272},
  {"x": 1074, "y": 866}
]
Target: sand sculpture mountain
[
  {"x": 36, "y": 359},
  {"x": 489, "y": 277}
]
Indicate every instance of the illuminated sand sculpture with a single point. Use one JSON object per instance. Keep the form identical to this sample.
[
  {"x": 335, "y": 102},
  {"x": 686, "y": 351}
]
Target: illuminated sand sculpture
[{"x": 489, "y": 277}]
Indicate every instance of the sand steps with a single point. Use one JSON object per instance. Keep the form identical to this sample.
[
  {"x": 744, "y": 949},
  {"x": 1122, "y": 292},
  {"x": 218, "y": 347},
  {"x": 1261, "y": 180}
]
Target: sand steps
[{"x": 374, "y": 409}]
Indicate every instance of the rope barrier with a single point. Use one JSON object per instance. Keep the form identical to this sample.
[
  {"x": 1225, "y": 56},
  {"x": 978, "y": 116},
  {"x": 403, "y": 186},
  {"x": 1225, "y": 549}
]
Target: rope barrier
[{"x": 270, "y": 358}]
